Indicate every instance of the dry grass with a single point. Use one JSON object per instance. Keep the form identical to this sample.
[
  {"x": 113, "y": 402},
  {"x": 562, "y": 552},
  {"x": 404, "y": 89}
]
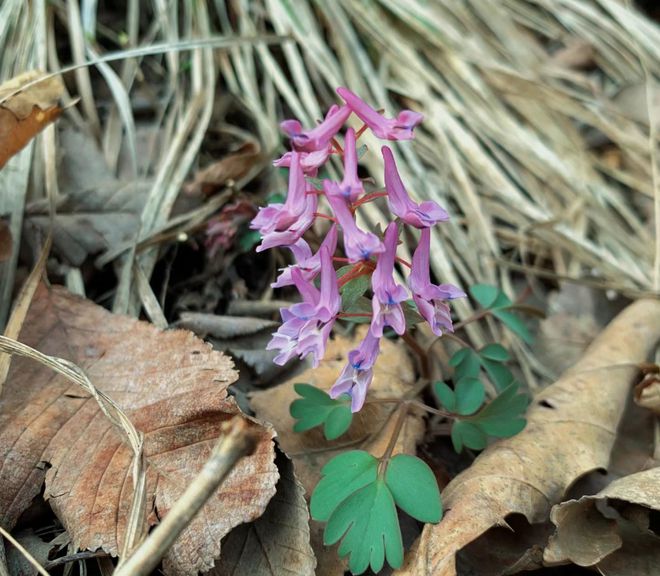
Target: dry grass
[{"x": 506, "y": 145}]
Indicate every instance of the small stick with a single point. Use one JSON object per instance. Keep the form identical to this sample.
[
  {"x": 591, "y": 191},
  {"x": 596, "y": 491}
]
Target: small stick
[
  {"x": 39, "y": 568},
  {"x": 236, "y": 441}
]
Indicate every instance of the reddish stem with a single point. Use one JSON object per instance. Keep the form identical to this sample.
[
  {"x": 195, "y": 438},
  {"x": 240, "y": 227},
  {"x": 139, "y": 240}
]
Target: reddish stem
[
  {"x": 339, "y": 259},
  {"x": 404, "y": 262},
  {"x": 368, "y": 198},
  {"x": 320, "y": 215},
  {"x": 337, "y": 146},
  {"x": 361, "y": 131}
]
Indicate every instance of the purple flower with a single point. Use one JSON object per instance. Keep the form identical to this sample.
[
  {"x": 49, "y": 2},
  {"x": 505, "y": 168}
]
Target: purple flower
[
  {"x": 309, "y": 161},
  {"x": 278, "y": 217},
  {"x": 399, "y": 128},
  {"x": 358, "y": 372},
  {"x": 309, "y": 265},
  {"x": 307, "y": 325},
  {"x": 317, "y": 138},
  {"x": 359, "y": 245},
  {"x": 430, "y": 297},
  {"x": 351, "y": 186},
  {"x": 293, "y": 233},
  {"x": 422, "y": 215},
  {"x": 388, "y": 295}
]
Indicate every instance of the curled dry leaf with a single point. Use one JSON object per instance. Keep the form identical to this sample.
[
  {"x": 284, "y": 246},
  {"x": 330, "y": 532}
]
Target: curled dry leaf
[
  {"x": 24, "y": 114},
  {"x": 278, "y": 541},
  {"x": 232, "y": 167},
  {"x": 572, "y": 427},
  {"x": 370, "y": 430},
  {"x": 611, "y": 530},
  {"x": 174, "y": 389},
  {"x": 647, "y": 393}
]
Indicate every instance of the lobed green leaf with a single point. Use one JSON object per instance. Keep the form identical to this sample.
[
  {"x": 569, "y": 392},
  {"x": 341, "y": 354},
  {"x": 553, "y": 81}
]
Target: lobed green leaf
[{"x": 414, "y": 488}]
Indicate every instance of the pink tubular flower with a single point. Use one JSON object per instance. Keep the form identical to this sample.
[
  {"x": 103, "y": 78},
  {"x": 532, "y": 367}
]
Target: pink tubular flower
[
  {"x": 278, "y": 217},
  {"x": 309, "y": 161},
  {"x": 358, "y": 372},
  {"x": 399, "y": 128},
  {"x": 317, "y": 138},
  {"x": 388, "y": 295},
  {"x": 430, "y": 298},
  {"x": 351, "y": 186},
  {"x": 358, "y": 244},
  {"x": 307, "y": 325},
  {"x": 422, "y": 215},
  {"x": 307, "y": 263},
  {"x": 295, "y": 230}
]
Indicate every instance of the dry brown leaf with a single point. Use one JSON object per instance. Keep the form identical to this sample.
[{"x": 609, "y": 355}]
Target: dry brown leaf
[
  {"x": 572, "y": 427},
  {"x": 174, "y": 389},
  {"x": 393, "y": 376},
  {"x": 647, "y": 393},
  {"x": 232, "y": 167},
  {"x": 25, "y": 114},
  {"x": 6, "y": 241},
  {"x": 610, "y": 531},
  {"x": 278, "y": 541}
]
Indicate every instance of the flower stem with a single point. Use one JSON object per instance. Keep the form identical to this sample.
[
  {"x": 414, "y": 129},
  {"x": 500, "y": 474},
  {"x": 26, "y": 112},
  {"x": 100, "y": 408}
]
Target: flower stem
[
  {"x": 321, "y": 215},
  {"x": 402, "y": 412},
  {"x": 424, "y": 368}
]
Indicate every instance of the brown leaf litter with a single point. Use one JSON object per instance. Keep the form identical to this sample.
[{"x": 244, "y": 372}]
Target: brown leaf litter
[
  {"x": 171, "y": 385},
  {"x": 571, "y": 430},
  {"x": 26, "y": 113}
]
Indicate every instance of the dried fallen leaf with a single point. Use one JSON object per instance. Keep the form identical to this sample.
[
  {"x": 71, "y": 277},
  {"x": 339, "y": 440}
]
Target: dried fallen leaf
[
  {"x": 610, "y": 531},
  {"x": 97, "y": 212},
  {"x": 275, "y": 543},
  {"x": 572, "y": 427},
  {"x": 174, "y": 389},
  {"x": 25, "y": 114},
  {"x": 393, "y": 376},
  {"x": 647, "y": 393},
  {"x": 232, "y": 167},
  {"x": 6, "y": 241}
]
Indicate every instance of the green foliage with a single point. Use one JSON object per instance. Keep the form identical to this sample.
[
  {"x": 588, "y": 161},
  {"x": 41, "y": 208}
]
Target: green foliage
[
  {"x": 414, "y": 488},
  {"x": 502, "y": 418},
  {"x": 466, "y": 399},
  {"x": 493, "y": 299},
  {"x": 248, "y": 240},
  {"x": 467, "y": 363},
  {"x": 354, "y": 289},
  {"x": 316, "y": 408},
  {"x": 358, "y": 501}
]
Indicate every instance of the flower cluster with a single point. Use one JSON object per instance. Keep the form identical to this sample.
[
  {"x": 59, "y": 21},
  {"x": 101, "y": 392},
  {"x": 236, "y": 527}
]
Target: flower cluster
[{"x": 307, "y": 325}]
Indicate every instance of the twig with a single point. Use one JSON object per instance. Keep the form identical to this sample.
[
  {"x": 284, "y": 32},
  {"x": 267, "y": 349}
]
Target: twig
[
  {"x": 236, "y": 441},
  {"x": 39, "y": 568}
]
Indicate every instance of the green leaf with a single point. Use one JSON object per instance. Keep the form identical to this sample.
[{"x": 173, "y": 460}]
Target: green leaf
[
  {"x": 470, "y": 395},
  {"x": 498, "y": 373},
  {"x": 485, "y": 294},
  {"x": 468, "y": 366},
  {"x": 337, "y": 422},
  {"x": 278, "y": 197},
  {"x": 445, "y": 395},
  {"x": 342, "y": 476},
  {"x": 495, "y": 352},
  {"x": 459, "y": 356},
  {"x": 503, "y": 428},
  {"x": 410, "y": 313},
  {"x": 369, "y": 525},
  {"x": 361, "y": 306},
  {"x": 248, "y": 240},
  {"x": 353, "y": 290},
  {"x": 316, "y": 407},
  {"x": 467, "y": 434},
  {"x": 515, "y": 324},
  {"x": 503, "y": 416},
  {"x": 361, "y": 151},
  {"x": 414, "y": 488}
]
